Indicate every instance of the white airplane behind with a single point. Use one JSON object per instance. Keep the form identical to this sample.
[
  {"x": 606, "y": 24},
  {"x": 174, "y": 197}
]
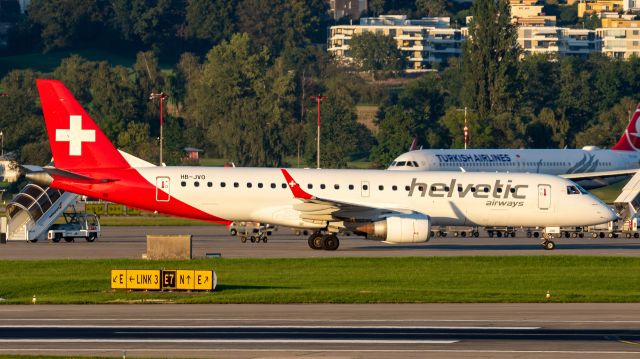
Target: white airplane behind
[
  {"x": 396, "y": 207},
  {"x": 590, "y": 166}
]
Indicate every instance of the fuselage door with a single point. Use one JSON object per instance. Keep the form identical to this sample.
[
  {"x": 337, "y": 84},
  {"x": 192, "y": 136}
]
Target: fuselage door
[
  {"x": 544, "y": 196},
  {"x": 163, "y": 193},
  {"x": 364, "y": 185}
]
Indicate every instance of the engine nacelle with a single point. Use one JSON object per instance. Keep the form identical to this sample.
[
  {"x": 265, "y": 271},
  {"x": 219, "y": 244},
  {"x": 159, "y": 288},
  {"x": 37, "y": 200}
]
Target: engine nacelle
[{"x": 409, "y": 228}]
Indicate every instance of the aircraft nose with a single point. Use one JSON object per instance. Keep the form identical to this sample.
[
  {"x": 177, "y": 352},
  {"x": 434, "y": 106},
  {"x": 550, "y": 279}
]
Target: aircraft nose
[{"x": 606, "y": 213}]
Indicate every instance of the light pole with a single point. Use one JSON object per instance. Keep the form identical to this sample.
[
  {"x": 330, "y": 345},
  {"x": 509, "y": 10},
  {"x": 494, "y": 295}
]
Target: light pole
[
  {"x": 162, "y": 96},
  {"x": 466, "y": 129},
  {"x": 318, "y": 99}
]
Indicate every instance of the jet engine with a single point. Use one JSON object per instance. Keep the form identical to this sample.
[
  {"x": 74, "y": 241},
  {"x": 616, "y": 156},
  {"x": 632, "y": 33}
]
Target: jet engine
[{"x": 409, "y": 228}]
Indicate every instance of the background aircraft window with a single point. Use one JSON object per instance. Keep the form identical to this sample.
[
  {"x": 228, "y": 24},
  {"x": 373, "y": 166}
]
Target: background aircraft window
[
  {"x": 309, "y": 186},
  {"x": 259, "y": 184},
  {"x": 209, "y": 184},
  {"x": 222, "y": 184},
  {"x": 381, "y": 188},
  {"x": 395, "y": 188},
  {"x": 183, "y": 184},
  {"x": 196, "y": 183},
  {"x": 350, "y": 186},
  {"x": 365, "y": 187},
  {"x": 236, "y": 184},
  {"x": 336, "y": 186},
  {"x": 322, "y": 186}
]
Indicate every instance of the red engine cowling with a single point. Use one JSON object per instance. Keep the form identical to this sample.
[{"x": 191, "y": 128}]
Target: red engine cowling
[{"x": 409, "y": 228}]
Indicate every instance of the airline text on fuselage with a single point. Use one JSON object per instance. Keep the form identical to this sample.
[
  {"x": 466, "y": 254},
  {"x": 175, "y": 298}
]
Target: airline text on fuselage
[{"x": 474, "y": 158}]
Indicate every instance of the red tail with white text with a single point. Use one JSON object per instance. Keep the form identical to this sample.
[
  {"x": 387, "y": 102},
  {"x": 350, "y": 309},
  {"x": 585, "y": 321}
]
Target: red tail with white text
[{"x": 630, "y": 140}]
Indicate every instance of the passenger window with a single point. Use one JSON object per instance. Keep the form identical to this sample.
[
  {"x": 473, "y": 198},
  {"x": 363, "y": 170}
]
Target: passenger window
[
  {"x": 395, "y": 188},
  {"x": 236, "y": 184},
  {"x": 499, "y": 189},
  {"x": 273, "y": 185},
  {"x": 351, "y": 187},
  {"x": 420, "y": 188},
  {"x": 209, "y": 184},
  {"x": 473, "y": 189},
  {"x": 381, "y": 188},
  {"x": 222, "y": 184},
  {"x": 336, "y": 186},
  {"x": 284, "y": 185},
  {"x": 259, "y": 184},
  {"x": 310, "y": 186},
  {"x": 183, "y": 184},
  {"x": 406, "y": 188},
  {"x": 196, "y": 183},
  {"x": 249, "y": 184},
  {"x": 486, "y": 189},
  {"x": 365, "y": 187},
  {"x": 512, "y": 190},
  {"x": 322, "y": 186}
]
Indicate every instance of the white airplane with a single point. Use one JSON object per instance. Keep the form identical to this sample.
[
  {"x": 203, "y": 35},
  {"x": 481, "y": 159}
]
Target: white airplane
[
  {"x": 590, "y": 166},
  {"x": 396, "y": 207}
]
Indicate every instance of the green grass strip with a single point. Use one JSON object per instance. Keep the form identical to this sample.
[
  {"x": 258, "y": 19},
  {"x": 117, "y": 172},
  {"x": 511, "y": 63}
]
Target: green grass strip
[{"x": 340, "y": 280}]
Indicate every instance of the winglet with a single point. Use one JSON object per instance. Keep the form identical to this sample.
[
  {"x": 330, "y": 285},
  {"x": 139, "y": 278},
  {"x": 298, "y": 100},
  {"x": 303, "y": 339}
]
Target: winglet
[{"x": 295, "y": 187}]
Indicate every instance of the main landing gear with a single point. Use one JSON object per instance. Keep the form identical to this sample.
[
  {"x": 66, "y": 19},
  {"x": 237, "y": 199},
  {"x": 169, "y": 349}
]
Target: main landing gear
[
  {"x": 328, "y": 242},
  {"x": 548, "y": 244}
]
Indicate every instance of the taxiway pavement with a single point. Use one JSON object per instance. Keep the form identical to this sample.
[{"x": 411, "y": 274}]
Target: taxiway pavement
[{"x": 130, "y": 242}]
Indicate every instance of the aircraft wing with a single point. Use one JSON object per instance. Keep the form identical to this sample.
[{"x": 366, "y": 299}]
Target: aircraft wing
[
  {"x": 600, "y": 174},
  {"x": 321, "y": 209}
]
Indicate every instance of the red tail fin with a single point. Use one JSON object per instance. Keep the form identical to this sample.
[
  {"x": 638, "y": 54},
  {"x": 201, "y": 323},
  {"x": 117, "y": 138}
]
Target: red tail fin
[
  {"x": 630, "y": 140},
  {"x": 75, "y": 139}
]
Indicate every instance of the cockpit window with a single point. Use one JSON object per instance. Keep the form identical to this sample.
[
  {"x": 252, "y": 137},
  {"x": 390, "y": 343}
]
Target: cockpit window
[
  {"x": 573, "y": 190},
  {"x": 409, "y": 163},
  {"x": 401, "y": 163},
  {"x": 393, "y": 164},
  {"x": 415, "y": 164}
]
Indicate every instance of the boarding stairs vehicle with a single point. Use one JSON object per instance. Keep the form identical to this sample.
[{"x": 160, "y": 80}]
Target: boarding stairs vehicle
[{"x": 32, "y": 211}]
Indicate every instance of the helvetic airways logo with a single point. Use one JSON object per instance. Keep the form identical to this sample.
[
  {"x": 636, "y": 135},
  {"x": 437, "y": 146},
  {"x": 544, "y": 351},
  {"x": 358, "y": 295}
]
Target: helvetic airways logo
[{"x": 75, "y": 135}]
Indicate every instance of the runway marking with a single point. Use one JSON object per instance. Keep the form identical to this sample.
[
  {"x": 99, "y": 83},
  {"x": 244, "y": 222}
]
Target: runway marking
[
  {"x": 232, "y": 341},
  {"x": 322, "y": 320},
  {"x": 259, "y": 326},
  {"x": 629, "y": 342}
]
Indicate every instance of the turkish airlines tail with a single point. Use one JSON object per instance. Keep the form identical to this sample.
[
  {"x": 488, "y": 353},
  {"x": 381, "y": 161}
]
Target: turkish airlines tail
[
  {"x": 75, "y": 139},
  {"x": 630, "y": 140}
]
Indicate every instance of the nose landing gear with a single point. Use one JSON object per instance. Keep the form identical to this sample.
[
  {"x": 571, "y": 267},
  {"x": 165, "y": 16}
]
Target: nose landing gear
[{"x": 328, "y": 242}]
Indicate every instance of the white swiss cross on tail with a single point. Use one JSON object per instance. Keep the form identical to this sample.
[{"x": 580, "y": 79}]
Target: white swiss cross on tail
[{"x": 75, "y": 135}]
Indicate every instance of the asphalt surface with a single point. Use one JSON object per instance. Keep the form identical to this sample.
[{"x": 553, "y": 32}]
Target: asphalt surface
[
  {"x": 130, "y": 242},
  {"x": 325, "y": 331}
]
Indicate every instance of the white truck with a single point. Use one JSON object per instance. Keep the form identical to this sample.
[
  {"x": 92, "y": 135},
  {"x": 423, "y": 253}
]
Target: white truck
[{"x": 76, "y": 225}]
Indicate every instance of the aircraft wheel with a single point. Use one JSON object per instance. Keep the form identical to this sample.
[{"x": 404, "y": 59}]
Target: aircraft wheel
[
  {"x": 536, "y": 234},
  {"x": 444, "y": 234},
  {"x": 628, "y": 235},
  {"x": 581, "y": 235},
  {"x": 91, "y": 238},
  {"x": 549, "y": 245},
  {"x": 68, "y": 239},
  {"x": 33, "y": 240},
  {"x": 252, "y": 239},
  {"x": 615, "y": 235},
  {"x": 330, "y": 242},
  {"x": 265, "y": 239},
  {"x": 574, "y": 235},
  {"x": 476, "y": 234},
  {"x": 463, "y": 234},
  {"x": 499, "y": 234},
  {"x": 636, "y": 235},
  {"x": 529, "y": 234},
  {"x": 513, "y": 234},
  {"x": 243, "y": 239},
  {"x": 56, "y": 238},
  {"x": 233, "y": 232},
  {"x": 601, "y": 234},
  {"x": 455, "y": 234},
  {"x": 315, "y": 241},
  {"x": 567, "y": 234},
  {"x": 490, "y": 233}
]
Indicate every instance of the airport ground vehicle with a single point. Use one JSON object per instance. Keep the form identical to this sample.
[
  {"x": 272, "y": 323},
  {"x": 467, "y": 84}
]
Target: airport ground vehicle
[
  {"x": 252, "y": 231},
  {"x": 77, "y": 225}
]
